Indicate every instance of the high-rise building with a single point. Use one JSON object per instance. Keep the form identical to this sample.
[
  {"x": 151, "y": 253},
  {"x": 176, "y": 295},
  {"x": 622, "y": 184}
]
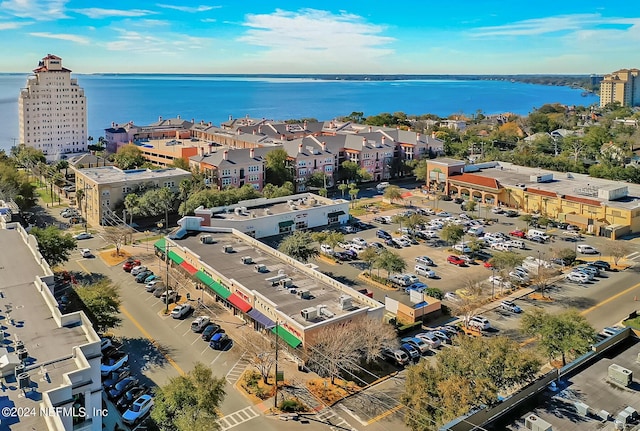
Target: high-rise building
[
  {"x": 621, "y": 86},
  {"x": 53, "y": 110}
]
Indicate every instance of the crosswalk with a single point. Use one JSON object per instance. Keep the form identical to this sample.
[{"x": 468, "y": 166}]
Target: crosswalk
[
  {"x": 236, "y": 371},
  {"x": 236, "y": 418},
  {"x": 335, "y": 422}
]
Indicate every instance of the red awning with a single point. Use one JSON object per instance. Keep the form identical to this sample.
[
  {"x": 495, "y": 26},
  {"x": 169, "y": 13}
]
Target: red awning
[
  {"x": 190, "y": 269},
  {"x": 239, "y": 303}
]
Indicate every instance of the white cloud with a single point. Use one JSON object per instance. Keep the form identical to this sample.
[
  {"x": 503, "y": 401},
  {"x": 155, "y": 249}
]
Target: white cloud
[
  {"x": 69, "y": 37},
  {"x": 98, "y": 13},
  {"x": 188, "y": 9},
  {"x": 40, "y": 10},
  {"x": 13, "y": 25},
  {"x": 167, "y": 44},
  {"x": 551, "y": 24},
  {"x": 208, "y": 20},
  {"x": 337, "y": 39}
]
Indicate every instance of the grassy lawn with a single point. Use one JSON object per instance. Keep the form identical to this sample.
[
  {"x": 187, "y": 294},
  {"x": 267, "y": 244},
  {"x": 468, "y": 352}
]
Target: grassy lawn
[
  {"x": 633, "y": 323},
  {"x": 45, "y": 196}
]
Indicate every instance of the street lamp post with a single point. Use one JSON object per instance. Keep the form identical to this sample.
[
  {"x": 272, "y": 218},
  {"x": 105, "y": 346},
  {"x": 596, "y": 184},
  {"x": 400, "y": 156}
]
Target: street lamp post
[
  {"x": 275, "y": 398},
  {"x": 493, "y": 280},
  {"x": 166, "y": 285}
]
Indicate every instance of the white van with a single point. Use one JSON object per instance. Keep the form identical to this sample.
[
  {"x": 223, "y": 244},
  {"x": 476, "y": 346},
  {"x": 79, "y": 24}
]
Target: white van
[
  {"x": 480, "y": 322},
  {"x": 517, "y": 243},
  {"x": 476, "y": 230},
  {"x": 382, "y": 186},
  {"x": 536, "y": 232}
]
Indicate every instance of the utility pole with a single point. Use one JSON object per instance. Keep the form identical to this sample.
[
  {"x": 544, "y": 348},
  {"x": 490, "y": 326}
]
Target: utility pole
[
  {"x": 275, "y": 398},
  {"x": 166, "y": 285}
]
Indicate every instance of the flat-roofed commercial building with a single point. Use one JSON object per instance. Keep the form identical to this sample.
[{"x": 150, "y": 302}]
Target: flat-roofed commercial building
[
  {"x": 264, "y": 217},
  {"x": 105, "y": 186},
  {"x": 265, "y": 287},
  {"x": 49, "y": 361}
]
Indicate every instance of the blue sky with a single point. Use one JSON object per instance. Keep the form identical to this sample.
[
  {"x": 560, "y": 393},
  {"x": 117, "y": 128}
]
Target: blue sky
[{"x": 420, "y": 37}]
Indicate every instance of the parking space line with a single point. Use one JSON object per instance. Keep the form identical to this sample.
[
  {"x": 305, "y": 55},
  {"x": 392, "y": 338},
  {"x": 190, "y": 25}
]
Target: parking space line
[
  {"x": 181, "y": 322},
  {"x": 216, "y": 358},
  {"x": 205, "y": 349},
  {"x": 187, "y": 332},
  {"x": 196, "y": 340}
]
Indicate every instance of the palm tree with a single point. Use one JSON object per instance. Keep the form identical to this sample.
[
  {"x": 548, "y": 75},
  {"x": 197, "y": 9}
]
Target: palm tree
[
  {"x": 132, "y": 205},
  {"x": 390, "y": 262},
  {"x": 353, "y": 193},
  {"x": 369, "y": 256},
  {"x": 323, "y": 192},
  {"x": 343, "y": 188},
  {"x": 392, "y": 193}
]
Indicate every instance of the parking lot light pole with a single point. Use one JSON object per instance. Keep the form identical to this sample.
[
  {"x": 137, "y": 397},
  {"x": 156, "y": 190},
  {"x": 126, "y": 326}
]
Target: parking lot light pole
[
  {"x": 166, "y": 285},
  {"x": 493, "y": 280}
]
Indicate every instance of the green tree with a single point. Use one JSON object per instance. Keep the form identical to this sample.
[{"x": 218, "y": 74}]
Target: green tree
[
  {"x": 566, "y": 333},
  {"x": 132, "y": 205},
  {"x": 413, "y": 222},
  {"x": 463, "y": 378},
  {"x": 527, "y": 218},
  {"x": 568, "y": 255},
  {"x": 181, "y": 163},
  {"x": 353, "y": 194},
  {"x": 505, "y": 261},
  {"x": 54, "y": 245},
  {"x": 368, "y": 256},
  {"x": 15, "y": 185},
  {"x": 276, "y": 164},
  {"x": 470, "y": 205},
  {"x": 299, "y": 245},
  {"x": 316, "y": 180},
  {"x": 128, "y": 157},
  {"x": 102, "y": 303},
  {"x": 393, "y": 193},
  {"x": 157, "y": 202},
  {"x": 323, "y": 192},
  {"x": 349, "y": 171},
  {"x": 189, "y": 402},
  {"x": 420, "y": 169},
  {"x": 434, "y": 292},
  {"x": 343, "y": 188},
  {"x": 452, "y": 233},
  {"x": 391, "y": 262}
]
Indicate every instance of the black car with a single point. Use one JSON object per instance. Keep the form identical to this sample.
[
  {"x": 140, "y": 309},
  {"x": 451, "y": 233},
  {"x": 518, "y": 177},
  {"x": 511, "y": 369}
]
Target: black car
[
  {"x": 380, "y": 220},
  {"x": 115, "y": 377},
  {"x": 121, "y": 387},
  {"x": 130, "y": 396},
  {"x": 601, "y": 264},
  {"x": 341, "y": 256},
  {"x": 391, "y": 243},
  {"x": 210, "y": 330},
  {"x": 562, "y": 225},
  {"x": 511, "y": 213},
  {"x": 383, "y": 234},
  {"x": 536, "y": 238},
  {"x": 377, "y": 246}
]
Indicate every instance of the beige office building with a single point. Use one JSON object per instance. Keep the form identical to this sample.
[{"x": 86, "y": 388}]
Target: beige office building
[
  {"x": 621, "y": 86},
  {"x": 52, "y": 111},
  {"x": 106, "y": 186}
]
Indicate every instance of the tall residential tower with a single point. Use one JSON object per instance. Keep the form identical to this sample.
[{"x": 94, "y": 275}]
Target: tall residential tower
[
  {"x": 621, "y": 86},
  {"x": 53, "y": 111}
]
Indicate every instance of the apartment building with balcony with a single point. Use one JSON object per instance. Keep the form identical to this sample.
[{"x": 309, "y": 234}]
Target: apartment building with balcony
[
  {"x": 233, "y": 167},
  {"x": 52, "y": 111},
  {"x": 621, "y": 86}
]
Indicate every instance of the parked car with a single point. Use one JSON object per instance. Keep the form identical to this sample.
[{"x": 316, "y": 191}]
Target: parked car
[
  {"x": 359, "y": 241},
  {"x": 420, "y": 287},
  {"x": 86, "y": 252},
  {"x": 380, "y": 220},
  {"x": 518, "y": 233},
  {"x": 114, "y": 377},
  {"x": 573, "y": 227},
  {"x": 451, "y": 296},
  {"x": 130, "y": 264},
  {"x": 403, "y": 242},
  {"x": 586, "y": 249},
  {"x": 326, "y": 249},
  {"x": 462, "y": 248},
  {"x": 83, "y": 235},
  {"x": 511, "y": 213},
  {"x": 210, "y": 330},
  {"x": 455, "y": 260},
  {"x": 443, "y": 214},
  {"x": 432, "y": 341},
  {"x": 418, "y": 343},
  {"x": 602, "y": 265},
  {"x": 425, "y": 260},
  {"x": 383, "y": 234},
  {"x": 411, "y": 351},
  {"x": 112, "y": 360},
  {"x": 443, "y": 336},
  {"x": 378, "y": 246},
  {"x": 510, "y": 306},
  {"x": 537, "y": 238},
  {"x": 153, "y": 285},
  {"x": 138, "y": 269},
  {"x": 577, "y": 277},
  {"x": 150, "y": 278},
  {"x": 409, "y": 239},
  {"x": 142, "y": 276},
  {"x": 121, "y": 387},
  {"x": 138, "y": 410},
  {"x": 480, "y": 322},
  {"x": 169, "y": 296},
  {"x": 125, "y": 401},
  {"x": 424, "y": 271},
  {"x": 392, "y": 243},
  {"x": 497, "y": 210},
  {"x": 181, "y": 310},
  {"x": 518, "y": 277},
  {"x": 397, "y": 357},
  {"x": 199, "y": 323},
  {"x": 220, "y": 341}
]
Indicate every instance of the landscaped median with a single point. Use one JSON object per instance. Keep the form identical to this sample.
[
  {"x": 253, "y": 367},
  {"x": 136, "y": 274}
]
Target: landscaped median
[{"x": 376, "y": 281}]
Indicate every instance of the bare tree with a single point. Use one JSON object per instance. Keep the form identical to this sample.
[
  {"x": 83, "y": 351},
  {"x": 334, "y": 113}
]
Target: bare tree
[
  {"x": 617, "y": 250},
  {"x": 542, "y": 279},
  {"x": 374, "y": 336},
  {"x": 116, "y": 235},
  {"x": 470, "y": 299},
  {"x": 262, "y": 353}
]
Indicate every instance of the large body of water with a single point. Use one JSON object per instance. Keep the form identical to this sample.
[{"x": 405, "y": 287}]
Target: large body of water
[{"x": 143, "y": 98}]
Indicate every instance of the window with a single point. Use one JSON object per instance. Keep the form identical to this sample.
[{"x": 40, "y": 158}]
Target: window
[
  {"x": 226, "y": 182},
  {"x": 255, "y": 168},
  {"x": 226, "y": 172}
]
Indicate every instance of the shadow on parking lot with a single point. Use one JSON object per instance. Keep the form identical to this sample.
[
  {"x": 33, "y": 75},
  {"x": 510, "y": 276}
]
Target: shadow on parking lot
[
  {"x": 144, "y": 355},
  {"x": 340, "y": 278},
  {"x": 578, "y": 302}
]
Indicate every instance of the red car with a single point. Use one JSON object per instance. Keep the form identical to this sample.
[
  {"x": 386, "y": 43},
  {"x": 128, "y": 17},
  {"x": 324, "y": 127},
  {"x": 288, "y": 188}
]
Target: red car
[
  {"x": 455, "y": 260},
  {"x": 518, "y": 233},
  {"x": 488, "y": 264},
  {"x": 130, "y": 264}
]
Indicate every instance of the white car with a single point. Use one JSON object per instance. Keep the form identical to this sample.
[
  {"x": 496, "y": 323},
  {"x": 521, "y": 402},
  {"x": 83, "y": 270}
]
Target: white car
[
  {"x": 480, "y": 322},
  {"x": 425, "y": 260},
  {"x": 443, "y": 214},
  {"x": 138, "y": 409},
  {"x": 517, "y": 276},
  {"x": 451, "y": 296},
  {"x": 433, "y": 341},
  {"x": 83, "y": 235},
  {"x": 499, "y": 281},
  {"x": 86, "y": 252},
  {"x": 403, "y": 242},
  {"x": 462, "y": 248},
  {"x": 138, "y": 269},
  {"x": 359, "y": 241},
  {"x": 497, "y": 210},
  {"x": 181, "y": 310},
  {"x": 577, "y": 277},
  {"x": 586, "y": 249},
  {"x": 429, "y": 234},
  {"x": 326, "y": 249},
  {"x": 424, "y": 271}
]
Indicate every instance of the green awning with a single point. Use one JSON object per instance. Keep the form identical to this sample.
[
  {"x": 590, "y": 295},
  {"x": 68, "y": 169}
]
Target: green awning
[
  {"x": 218, "y": 288},
  {"x": 285, "y": 223},
  {"x": 174, "y": 257},
  {"x": 287, "y": 336},
  {"x": 160, "y": 244},
  {"x": 336, "y": 214}
]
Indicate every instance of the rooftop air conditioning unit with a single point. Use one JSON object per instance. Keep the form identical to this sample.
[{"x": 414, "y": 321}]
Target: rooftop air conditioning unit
[
  {"x": 534, "y": 423},
  {"x": 620, "y": 375},
  {"x": 345, "y": 302},
  {"x": 309, "y": 313},
  {"x": 324, "y": 311}
]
